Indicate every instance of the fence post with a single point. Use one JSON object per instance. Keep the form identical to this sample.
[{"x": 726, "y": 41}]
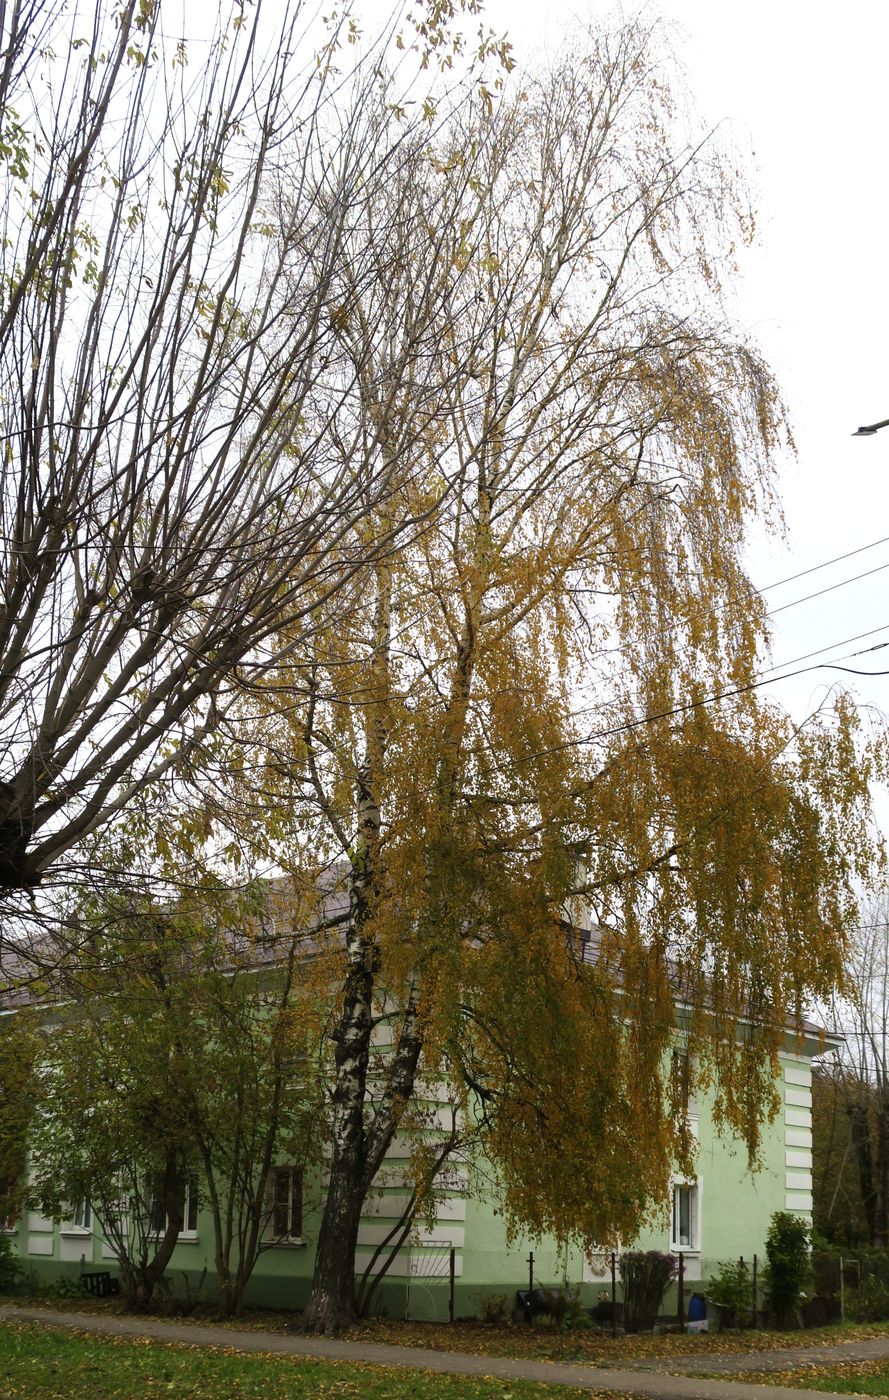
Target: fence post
[
  {"x": 858, "y": 1262},
  {"x": 842, "y": 1293},
  {"x": 613, "y": 1294},
  {"x": 452, "y": 1270},
  {"x": 681, "y": 1314},
  {"x": 753, "y": 1319},
  {"x": 530, "y": 1287}
]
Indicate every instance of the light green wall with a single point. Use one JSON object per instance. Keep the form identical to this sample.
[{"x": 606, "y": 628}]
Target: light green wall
[{"x": 735, "y": 1208}]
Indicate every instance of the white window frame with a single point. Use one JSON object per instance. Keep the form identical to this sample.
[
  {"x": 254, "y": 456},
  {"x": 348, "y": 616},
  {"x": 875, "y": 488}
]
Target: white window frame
[
  {"x": 278, "y": 1203},
  {"x": 189, "y": 1233},
  {"x": 80, "y": 1222},
  {"x": 190, "y": 1208},
  {"x": 693, "y": 1185}
]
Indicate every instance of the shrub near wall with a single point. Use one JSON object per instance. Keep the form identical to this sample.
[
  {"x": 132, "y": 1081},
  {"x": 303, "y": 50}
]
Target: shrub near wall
[
  {"x": 732, "y": 1289},
  {"x": 865, "y": 1274},
  {"x": 789, "y": 1266},
  {"x": 644, "y": 1279},
  {"x": 11, "y": 1272}
]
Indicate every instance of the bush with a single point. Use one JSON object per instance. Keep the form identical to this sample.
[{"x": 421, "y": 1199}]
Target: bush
[
  {"x": 171, "y": 1304},
  {"x": 493, "y": 1307},
  {"x": 789, "y": 1266},
  {"x": 12, "y": 1275},
  {"x": 732, "y": 1289},
  {"x": 644, "y": 1278},
  {"x": 870, "y": 1302},
  {"x": 563, "y": 1306}
]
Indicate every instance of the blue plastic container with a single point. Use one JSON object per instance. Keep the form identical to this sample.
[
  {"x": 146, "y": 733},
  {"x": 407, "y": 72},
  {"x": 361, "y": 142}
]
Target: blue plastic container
[{"x": 697, "y": 1307}]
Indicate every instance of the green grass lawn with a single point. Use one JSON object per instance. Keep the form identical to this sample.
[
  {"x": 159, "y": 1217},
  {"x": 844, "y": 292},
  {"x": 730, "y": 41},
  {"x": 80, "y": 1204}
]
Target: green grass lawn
[
  {"x": 47, "y": 1364},
  {"x": 591, "y": 1347}
]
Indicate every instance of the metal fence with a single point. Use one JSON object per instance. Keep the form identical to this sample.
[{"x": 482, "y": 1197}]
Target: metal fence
[
  {"x": 444, "y": 1285},
  {"x": 853, "y": 1285},
  {"x": 541, "y": 1286},
  {"x": 497, "y": 1284},
  {"x": 430, "y": 1282}
]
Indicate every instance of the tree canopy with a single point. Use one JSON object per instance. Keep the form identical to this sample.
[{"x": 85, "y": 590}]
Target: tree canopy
[
  {"x": 527, "y": 745},
  {"x": 174, "y": 404},
  {"x": 183, "y": 1054},
  {"x": 542, "y": 711}
]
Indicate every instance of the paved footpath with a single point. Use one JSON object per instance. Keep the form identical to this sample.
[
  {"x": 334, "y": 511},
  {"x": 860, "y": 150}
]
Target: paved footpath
[
  {"x": 643, "y": 1380},
  {"x": 787, "y": 1359}
]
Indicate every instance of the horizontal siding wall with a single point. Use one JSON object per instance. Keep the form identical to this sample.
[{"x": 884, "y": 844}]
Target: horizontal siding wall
[
  {"x": 425, "y": 1257},
  {"x": 797, "y": 1087}
]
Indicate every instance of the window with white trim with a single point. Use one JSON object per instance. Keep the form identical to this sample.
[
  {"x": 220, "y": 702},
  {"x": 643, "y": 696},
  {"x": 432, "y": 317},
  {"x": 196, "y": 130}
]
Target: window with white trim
[
  {"x": 80, "y": 1221},
  {"x": 188, "y": 1201},
  {"x": 685, "y": 1224},
  {"x": 287, "y": 1203}
]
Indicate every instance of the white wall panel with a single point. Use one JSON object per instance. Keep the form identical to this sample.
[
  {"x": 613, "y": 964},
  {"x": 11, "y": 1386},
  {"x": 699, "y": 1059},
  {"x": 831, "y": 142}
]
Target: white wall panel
[
  {"x": 797, "y": 1118},
  {"x": 798, "y": 1074},
  {"x": 798, "y": 1098},
  {"x": 798, "y": 1137},
  {"x": 797, "y": 1200},
  {"x": 798, "y": 1159}
]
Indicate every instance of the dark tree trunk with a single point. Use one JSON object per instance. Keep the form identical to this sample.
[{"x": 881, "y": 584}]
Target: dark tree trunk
[
  {"x": 146, "y": 1278},
  {"x": 858, "y": 1119},
  {"x": 332, "y": 1306},
  {"x": 881, "y": 1223}
]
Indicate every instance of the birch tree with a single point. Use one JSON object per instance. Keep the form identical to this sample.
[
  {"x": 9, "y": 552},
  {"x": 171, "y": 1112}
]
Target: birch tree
[
  {"x": 522, "y": 694},
  {"x": 535, "y": 720}
]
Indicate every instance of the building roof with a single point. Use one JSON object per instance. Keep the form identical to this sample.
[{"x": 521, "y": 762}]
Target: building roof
[{"x": 37, "y": 970}]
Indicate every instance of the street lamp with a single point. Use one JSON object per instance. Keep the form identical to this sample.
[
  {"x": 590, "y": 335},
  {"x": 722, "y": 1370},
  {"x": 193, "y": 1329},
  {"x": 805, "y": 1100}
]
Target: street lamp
[{"x": 870, "y": 428}]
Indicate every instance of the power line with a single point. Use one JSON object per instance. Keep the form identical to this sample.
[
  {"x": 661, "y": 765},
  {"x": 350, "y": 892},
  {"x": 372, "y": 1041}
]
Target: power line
[
  {"x": 779, "y": 666},
  {"x": 815, "y": 567},
  {"x": 687, "y": 706},
  {"x": 821, "y": 591},
  {"x": 805, "y": 572},
  {"x": 766, "y": 677},
  {"x": 819, "y": 651}
]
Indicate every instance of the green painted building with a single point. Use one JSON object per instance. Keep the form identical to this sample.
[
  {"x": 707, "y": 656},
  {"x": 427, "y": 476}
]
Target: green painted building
[{"x": 721, "y": 1213}]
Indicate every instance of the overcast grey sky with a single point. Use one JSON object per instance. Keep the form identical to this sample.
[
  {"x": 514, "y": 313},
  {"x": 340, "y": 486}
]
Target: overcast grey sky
[{"x": 804, "y": 88}]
